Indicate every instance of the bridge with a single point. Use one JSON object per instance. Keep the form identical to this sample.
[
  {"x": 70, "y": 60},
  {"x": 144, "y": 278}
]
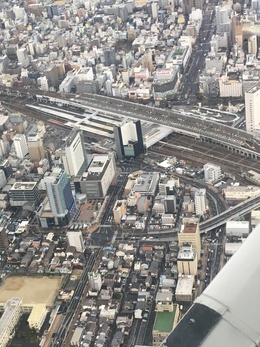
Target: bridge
[
  {"x": 235, "y": 140},
  {"x": 235, "y": 212}
]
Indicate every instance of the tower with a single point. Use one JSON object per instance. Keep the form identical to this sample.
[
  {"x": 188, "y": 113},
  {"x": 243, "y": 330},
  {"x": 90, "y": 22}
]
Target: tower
[
  {"x": 252, "y": 102},
  {"x": 22, "y": 57},
  {"x": 2, "y": 179},
  {"x": 74, "y": 154},
  {"x": 4, "y": 243},
  {"x": 75, "y": 239},
  {"x": 60, "y": 195},
  {"x": 20, "y": 145},
  {"x": 200, "y": 202},
  {"x": 129, "y": 139},
  {"x": 35, "y": 147},
  {"x": 95, "y": 281},
  {"x": 190, "y": 233},
  {"x": 252, "y": 45}
]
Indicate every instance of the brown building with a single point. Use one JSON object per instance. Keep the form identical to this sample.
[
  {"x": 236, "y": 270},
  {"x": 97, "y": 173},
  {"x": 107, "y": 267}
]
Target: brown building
[
  {"x": 35, "y": 147},
  {"x": 190, "y": 233}
]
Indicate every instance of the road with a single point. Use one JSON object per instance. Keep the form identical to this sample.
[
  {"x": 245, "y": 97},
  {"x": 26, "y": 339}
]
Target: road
[
  {"x": 190, "y": 87},
  {"x": 60, "y": 338},
  {"x": 235, "y": 212}
]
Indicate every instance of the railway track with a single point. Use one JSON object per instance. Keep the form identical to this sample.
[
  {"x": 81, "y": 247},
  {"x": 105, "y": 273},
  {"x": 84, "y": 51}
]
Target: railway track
[{"x": 197, "y": 152}]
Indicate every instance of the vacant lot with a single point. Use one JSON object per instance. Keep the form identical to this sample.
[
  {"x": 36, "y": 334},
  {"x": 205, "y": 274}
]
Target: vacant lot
[{"x": 31, "y": 289}]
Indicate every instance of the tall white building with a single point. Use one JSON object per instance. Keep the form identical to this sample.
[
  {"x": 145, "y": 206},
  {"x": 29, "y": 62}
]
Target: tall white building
[
  {"x": 200, "y": 202},
  {"x": 22, "y": 57},
  {"x": 20, "y": 145},
  {"x": 2, "y": 179},
  {"x": 9, "y": 320},
  {"x": 252, "y": 45},
  {"x": 75, "y": 239},
  {"x": 252, "y": 104},
  {"x": 73, "y": 153},
  {"x": 212, "y": 172},
  {"x": 95, "y": 281},
  {"x": 4, "y": 147}
]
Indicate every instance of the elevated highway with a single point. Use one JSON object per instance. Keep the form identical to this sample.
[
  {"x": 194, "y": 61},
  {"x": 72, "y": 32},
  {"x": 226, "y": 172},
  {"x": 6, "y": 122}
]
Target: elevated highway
[
  {"x": 234, "y": 140},
  {"x": 235, "y": 212}
]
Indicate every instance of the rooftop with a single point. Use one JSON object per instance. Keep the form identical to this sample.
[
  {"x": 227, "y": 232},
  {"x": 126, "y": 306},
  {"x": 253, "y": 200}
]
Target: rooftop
[
  {"x": 190, "y": 228},
  {"x": 164, "y": 321}
]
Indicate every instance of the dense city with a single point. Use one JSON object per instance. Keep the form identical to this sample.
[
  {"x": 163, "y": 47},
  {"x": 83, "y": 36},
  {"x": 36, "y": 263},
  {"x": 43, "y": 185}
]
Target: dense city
[{"x": 129, "y": 172}]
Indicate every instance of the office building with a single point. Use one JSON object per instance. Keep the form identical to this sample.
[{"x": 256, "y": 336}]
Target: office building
[
  {"x": 95, "y": 281},
  {"x": 129, "y": 139},
  {"x": 24, "y": 192},
  {"x": 35, "y": 144},
  {"x": 190, "y": 233},
  {"x": 73, "y": 153},
  {"x": 187, "y": 261},
  {"x": 9, "y": 319},
  {"x": 20, "y": 145},
  {"x": 200, "y": 202},
  {"x": 100, "y": 174},
  {"x": 60, "y": 195},
  {"x": 4, "y": 147},
  {"x": 252, "y": 45},
  {"x": 119, "y": 210},
  {"x": 109, "y": 57},
  {"x": 252, "y": 102},
  {"x": 212, "y": 172},
  {"x": 22, "y": 57},
  {"x": 75, "y": 239},
  {"x": 223, "y": 20},
  {"x": 4, "y": 243},
  {"x": 189, "y": 4},
  {"x": 2, "y": 179},
  {"x": 6, "y": 167}
]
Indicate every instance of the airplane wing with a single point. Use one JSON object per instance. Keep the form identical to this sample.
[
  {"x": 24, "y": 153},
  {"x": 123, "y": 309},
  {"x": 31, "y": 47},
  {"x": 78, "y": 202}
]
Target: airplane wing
[{"x": 227, "y": 313}]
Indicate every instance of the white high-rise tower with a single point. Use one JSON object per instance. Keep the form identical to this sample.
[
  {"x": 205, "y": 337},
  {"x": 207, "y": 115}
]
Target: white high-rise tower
[
  {"x": 252, "y": 104},
  {"x": 73, "y": 153}
]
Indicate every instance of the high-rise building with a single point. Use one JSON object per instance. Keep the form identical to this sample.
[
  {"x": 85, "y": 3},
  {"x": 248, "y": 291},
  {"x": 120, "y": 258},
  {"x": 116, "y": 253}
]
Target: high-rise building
[
  {"x": 109, "y": 57},
  {"x": 189, "y": 4},
  {"x": 6, "y": 167},
  {"x": 252, "y": 102},
  {"x": 200, "y": 202},
  {"x": 60, "y": 195},
  {"x": 2, "y": 179},
  {"x": 75, "y": 239},
  {"x": 20, "y": 145},
  {"x": 187, "y": 261},
  {"x": 212, "y": 172},
  {"x": 22, "y": 57},
  {"x": 190, "y": 233},
  {"x": 74, "y": 154},
  {"x": 129, "y": 139},
  {"x": 35, "y": 147},
  {"x": 100, "y": 174},
  {"x": 252, "y": 45},
  {"x": 4, "y": 147},
  {"x": 223, "y": 20},
  {"x": 4, "y": 243},
  {"x": 95, "y": 281}
]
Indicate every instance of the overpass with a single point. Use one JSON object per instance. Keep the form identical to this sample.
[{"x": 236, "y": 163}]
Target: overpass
[
  {"x": 235, "y": 140},
  {"x": 235, "y": 212}
]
